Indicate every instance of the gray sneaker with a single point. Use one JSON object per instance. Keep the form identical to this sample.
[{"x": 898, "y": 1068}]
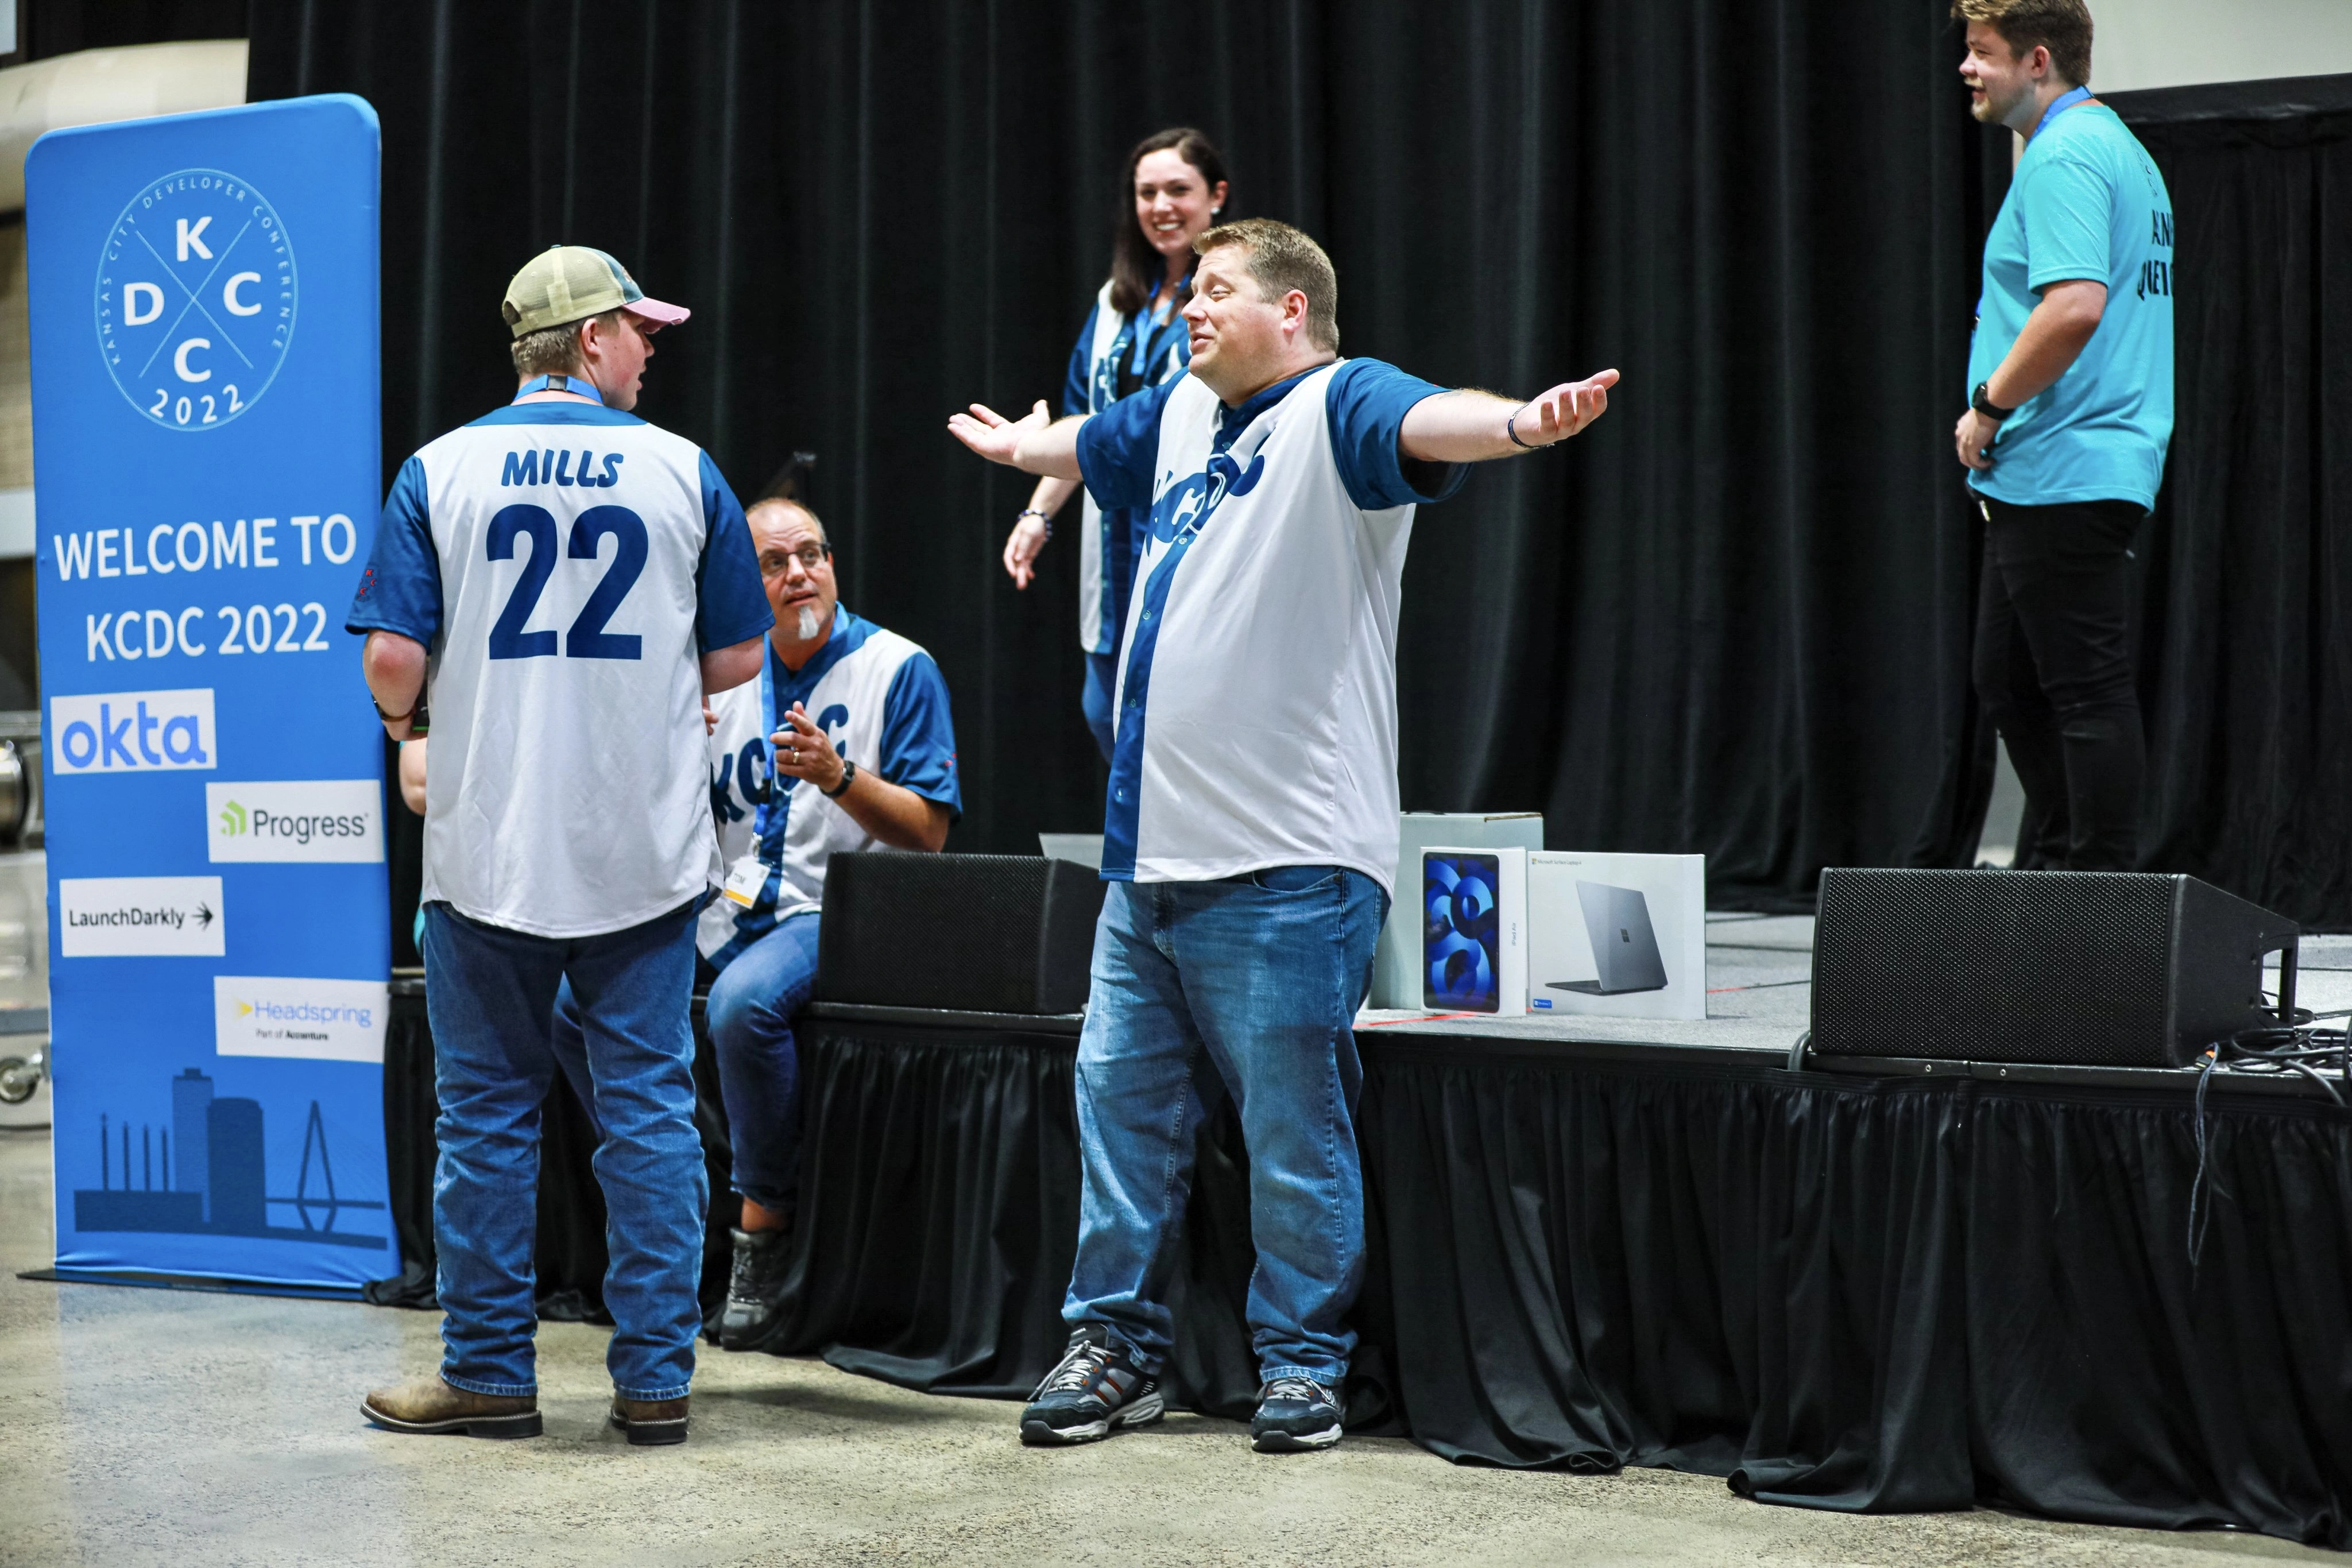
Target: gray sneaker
[
  {"x": 1295, "y": 1415},
  {"x": 1093, "y": 1393}
]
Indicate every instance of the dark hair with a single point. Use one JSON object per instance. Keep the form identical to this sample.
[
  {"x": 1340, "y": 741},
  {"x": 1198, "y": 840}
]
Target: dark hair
[
  {"x": 2062, "y": 26},
  {"x": 1136, "y": 268}
]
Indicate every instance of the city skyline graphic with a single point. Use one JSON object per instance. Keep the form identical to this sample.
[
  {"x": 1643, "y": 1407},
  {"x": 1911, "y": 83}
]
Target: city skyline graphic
[{"x": 218, "y": 1185}]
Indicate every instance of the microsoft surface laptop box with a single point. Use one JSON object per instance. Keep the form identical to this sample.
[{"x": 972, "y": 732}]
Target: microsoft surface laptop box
[{"x": 1616, "y": 935}]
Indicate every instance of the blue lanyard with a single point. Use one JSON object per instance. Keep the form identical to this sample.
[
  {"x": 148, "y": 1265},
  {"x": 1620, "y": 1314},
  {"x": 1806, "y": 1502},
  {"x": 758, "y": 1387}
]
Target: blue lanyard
[
  {"x": 2065, "y": 100},
  {"x": 579, "y": 386},
  {"x": 1147, "y": 323},
  {"x": 777, "y": 782}
]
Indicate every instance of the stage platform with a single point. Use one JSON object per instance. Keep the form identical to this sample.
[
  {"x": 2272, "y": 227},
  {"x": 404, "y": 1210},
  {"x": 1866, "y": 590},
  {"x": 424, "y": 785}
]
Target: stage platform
[{"x": 1761, "y": 999}]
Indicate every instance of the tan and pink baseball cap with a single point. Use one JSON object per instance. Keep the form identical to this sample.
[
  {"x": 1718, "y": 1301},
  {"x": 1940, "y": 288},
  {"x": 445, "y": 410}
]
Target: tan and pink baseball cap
[{"x": 567, "y": 283}]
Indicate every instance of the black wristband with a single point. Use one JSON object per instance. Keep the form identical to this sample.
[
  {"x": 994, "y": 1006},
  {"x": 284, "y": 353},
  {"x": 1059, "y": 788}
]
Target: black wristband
[
  {"x": 849, "y": 772},
  {"x": 1511, "y": 429},
  {"x": 1980, "y": 400}
]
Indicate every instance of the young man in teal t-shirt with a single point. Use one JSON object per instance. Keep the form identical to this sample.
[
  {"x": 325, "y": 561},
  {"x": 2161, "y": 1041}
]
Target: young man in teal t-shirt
[{"x": 2070, "y": 374}]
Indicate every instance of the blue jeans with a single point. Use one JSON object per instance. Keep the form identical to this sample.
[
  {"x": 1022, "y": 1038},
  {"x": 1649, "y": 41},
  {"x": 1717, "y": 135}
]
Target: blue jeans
[
  {"x": 751, "y": 1013},
  {"x": 1101, "y": 689},
  {"x": 491, "y": 994},
  {"x": 1246, "y": 987}
]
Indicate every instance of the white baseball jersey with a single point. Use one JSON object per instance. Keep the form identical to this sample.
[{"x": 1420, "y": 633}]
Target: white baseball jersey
[
  {"x": 565, "y": 564},
  {"x": 1114, "y": 353},
  {"x": 884, "y": 704},
  {"x": 1256, "y": 707}
]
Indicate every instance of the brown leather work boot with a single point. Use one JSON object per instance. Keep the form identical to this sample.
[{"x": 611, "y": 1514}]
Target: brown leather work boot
[
  {"x": 650, "y": 1420},
  {"x": 428, "y": 1407}
]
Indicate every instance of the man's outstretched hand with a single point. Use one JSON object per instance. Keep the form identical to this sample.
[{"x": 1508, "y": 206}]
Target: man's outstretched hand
[
  {"x": 1566, "y": 409},
  {"x": 991, "y": 435},
  {"x": 1468, "y": 427}
]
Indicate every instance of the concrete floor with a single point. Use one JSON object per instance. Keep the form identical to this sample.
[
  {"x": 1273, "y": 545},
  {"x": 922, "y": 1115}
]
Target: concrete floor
[{"x": 143, "y": 1426}]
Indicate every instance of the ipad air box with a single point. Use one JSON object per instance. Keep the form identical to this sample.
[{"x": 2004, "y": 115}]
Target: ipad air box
[{"x": 1396, "y": 964}]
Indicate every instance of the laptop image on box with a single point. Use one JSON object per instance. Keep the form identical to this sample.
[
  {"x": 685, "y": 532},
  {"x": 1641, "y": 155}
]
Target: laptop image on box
[{"x": 1624, "y": 947}]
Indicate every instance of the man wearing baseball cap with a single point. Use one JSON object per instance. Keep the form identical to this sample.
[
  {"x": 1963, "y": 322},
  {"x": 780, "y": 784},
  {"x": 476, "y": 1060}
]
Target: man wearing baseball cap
[{"x": 562, "y": 584}]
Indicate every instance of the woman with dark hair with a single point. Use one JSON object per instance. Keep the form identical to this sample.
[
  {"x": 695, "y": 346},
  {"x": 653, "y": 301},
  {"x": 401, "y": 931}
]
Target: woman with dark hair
[{"x": 1173, "y": 188}]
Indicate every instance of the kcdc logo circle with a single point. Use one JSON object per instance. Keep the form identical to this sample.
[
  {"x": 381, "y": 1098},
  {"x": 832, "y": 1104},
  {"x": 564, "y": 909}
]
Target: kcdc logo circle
[{"x": 195, "y": 298}]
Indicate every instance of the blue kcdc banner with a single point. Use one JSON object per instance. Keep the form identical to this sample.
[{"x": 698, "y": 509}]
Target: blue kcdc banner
[{"x": 206, "y": 446}]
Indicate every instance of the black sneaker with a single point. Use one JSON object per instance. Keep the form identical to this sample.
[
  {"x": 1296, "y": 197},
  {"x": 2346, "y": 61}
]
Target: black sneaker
[
  {"x": 1293, "y": 1415},
  {"x": 1093, "y": 1393},
  {"x": 756, "y": 1290}
]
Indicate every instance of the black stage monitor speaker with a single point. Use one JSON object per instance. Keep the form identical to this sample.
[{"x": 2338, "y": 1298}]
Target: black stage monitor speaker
[
  {"x": 2078, "y": 969},
  {"x": 984, "y": 933}
]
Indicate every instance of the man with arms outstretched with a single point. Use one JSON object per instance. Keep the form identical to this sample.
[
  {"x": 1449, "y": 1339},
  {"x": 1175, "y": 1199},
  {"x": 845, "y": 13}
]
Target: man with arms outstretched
[{"x": 1250, "y": 828}]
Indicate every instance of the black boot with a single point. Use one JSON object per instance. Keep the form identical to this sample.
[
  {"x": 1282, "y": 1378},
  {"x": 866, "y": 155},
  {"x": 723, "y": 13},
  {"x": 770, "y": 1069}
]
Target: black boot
[{"x": 755, "y": 1291}]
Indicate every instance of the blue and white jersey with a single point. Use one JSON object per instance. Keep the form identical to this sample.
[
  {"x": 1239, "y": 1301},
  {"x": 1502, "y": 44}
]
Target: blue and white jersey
[
  {"x": 1114, "y": 351},
  {"x": 884, "y": 704},
  {"x": 1256, "y": 707},
  {"x": 565, "y": 565}
]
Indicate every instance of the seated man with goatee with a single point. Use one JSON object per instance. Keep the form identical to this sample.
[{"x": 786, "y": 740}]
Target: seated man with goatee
[{"x": 842, "y": 743}]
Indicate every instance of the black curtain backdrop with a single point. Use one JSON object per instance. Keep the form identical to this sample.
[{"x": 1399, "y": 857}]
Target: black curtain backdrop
[
  {"x": 1732, "y": 620},
  {"x": 2247, "y": 647}
]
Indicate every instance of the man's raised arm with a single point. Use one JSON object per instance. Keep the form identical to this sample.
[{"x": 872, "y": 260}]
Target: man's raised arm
[
  {"x": 1468, "y": 427},
  {"x": 1037, "y": 445}
]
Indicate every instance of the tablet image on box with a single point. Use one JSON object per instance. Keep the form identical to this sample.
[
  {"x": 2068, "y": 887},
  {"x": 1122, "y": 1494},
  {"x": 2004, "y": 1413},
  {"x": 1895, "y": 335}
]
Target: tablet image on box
[
  {"x": 1396, "y": 964},
  {"x": 1473, "y": 920}
]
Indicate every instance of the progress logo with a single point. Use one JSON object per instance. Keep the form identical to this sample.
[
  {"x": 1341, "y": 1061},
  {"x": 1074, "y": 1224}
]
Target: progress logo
[{"x": 296, "y": 820}]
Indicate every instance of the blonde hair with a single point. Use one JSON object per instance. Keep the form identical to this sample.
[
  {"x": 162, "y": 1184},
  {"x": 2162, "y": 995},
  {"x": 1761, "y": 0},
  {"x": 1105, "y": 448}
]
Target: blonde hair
[
  {"x": 1282, "y": 259},
  {"x": 553, "y": 351}
]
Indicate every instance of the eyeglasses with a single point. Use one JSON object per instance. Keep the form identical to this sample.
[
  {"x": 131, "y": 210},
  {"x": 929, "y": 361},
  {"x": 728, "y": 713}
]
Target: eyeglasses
[{"x": 811, "y": 557}]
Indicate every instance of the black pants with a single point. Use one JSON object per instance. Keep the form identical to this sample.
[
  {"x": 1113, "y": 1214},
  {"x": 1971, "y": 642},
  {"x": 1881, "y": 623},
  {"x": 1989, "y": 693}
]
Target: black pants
[{"x": 2053, "y": 668}]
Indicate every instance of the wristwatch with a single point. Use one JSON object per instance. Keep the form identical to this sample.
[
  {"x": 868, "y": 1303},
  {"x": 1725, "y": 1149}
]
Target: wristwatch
[
  {"x": 418, "y": 721},
  {"x": 1986, "y": 406},
  {"x": 849, "y": 772}
]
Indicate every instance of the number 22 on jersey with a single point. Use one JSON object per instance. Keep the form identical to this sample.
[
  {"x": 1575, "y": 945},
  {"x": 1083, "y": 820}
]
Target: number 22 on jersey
[{"x": 587, "y": 639}]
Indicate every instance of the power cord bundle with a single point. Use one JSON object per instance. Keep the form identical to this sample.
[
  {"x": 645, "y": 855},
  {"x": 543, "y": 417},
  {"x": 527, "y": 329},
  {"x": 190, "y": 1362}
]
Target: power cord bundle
[{"x": 2299, "y": 1047}]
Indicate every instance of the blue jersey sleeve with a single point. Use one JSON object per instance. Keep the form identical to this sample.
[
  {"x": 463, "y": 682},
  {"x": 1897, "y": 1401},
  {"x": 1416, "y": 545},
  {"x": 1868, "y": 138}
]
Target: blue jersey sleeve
[
  {"x": 2069, "y": 211},
  {"x": 731, "y": 605},
  {"x": 1366, "y": 407},
  {"x": 401, "y": 588},
  {"x": 919, "y": 736},
  {"x": 1077, "y": 387},
  {"x": 1118, "y": 449}
]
